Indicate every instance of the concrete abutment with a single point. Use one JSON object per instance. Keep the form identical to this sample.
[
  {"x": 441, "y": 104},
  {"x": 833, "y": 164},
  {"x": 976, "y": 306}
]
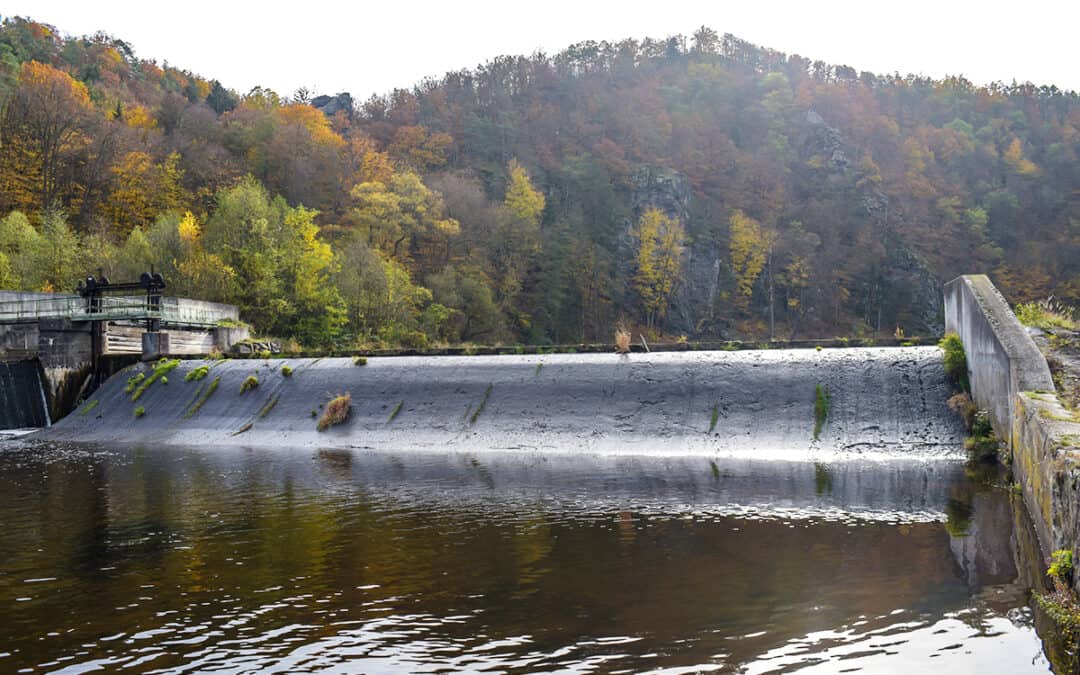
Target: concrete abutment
[{"x": 1011, "y": 380}]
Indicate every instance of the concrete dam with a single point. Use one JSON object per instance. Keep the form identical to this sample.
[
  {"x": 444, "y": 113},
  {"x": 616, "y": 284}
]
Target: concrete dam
[
  {"x": 883, "y": 402},
  {"x": 781, "y": 507}
]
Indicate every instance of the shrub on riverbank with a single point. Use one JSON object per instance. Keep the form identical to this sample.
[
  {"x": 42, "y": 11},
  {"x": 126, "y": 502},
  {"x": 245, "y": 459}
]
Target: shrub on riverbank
[
  {"x": 962, "y": 405},
  {"x": 982, "y": 444},
  {"x": 1061, "y": 604}
]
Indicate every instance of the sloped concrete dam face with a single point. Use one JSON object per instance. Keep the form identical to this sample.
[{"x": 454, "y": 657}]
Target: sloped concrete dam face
[{"x": 752, "y": 403}]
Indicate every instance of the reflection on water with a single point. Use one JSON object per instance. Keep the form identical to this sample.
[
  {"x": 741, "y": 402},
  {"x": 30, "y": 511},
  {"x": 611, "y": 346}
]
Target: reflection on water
[{"x": 270, "y": 561}]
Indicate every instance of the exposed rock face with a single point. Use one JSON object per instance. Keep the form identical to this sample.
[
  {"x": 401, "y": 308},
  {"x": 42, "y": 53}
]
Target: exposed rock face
[
  {"x": 909, "y": 277},
  {"x": 905, "y": 290},
  {"x": 331, "y": 105},
  {"x": 821, "y": 140},
  {"x": 662, "y": 188},
  {"x": 670, "y": 192}
]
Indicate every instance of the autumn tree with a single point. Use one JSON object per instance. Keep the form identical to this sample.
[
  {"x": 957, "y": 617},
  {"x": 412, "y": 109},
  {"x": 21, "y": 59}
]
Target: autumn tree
[
  {"x": 283, "y": 269},
  {"x": 517, "y": 239},
  {"x": 660, "y": 243},
  {"x": 382, "y": 302},
  {"x": 24, "y": 250},
  {"x": 42, "y": 128},
  {"x": 143, "y": 189},
  {"x": 750, "y": 247},
  {"x": 56, "y": 255},
  {"x": 402, "y": 217}
]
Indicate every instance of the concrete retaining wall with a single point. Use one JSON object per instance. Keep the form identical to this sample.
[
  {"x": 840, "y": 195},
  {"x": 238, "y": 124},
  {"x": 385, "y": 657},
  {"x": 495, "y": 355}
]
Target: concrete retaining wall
[
  {"x": 1011, "y": 380},
  {"x": 1002, "y": 358},
  {"x": 1045, "y": 462}
]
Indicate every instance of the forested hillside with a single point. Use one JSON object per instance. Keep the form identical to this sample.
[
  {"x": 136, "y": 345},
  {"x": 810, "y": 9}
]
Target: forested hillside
[{"x": 704, "y": 187}]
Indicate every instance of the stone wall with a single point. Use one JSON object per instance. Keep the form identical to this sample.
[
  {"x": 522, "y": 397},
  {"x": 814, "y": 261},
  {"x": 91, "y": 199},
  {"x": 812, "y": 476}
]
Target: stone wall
[{"x": 1011, "y": 380}]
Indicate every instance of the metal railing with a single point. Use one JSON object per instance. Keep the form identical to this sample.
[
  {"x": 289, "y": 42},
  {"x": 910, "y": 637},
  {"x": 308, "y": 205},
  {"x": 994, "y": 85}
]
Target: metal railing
[{"x": 170, "y": 311}]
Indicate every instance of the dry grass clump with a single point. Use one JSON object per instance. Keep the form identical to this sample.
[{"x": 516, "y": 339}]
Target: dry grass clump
[
  {"x": 1047, "y": 314},
  {"x": 336, "y": 412},
  {"x": 962, "y": 405},
  {"x": 622, "y": 341}
]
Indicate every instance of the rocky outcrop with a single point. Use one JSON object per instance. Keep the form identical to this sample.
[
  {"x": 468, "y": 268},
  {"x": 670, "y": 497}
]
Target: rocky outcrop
[
  {"x": 661, "y": 188},
  {"x": 905, "y": 290},
  {"x": 670, "y": 192},
  {"x": 820, "y": 140},
  {"x": 331, "y": 105}
]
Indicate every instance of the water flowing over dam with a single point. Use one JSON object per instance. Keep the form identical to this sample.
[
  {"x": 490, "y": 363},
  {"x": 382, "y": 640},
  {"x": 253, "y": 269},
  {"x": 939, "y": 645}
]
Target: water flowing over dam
[
  {"x": 751, "y": 403},
  {"x": 511, "y": 513},
  {"x": 22, "y": 396}
]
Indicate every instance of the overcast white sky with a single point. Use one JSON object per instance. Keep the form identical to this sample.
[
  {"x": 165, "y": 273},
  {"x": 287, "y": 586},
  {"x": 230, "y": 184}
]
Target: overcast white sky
[{"x": 372, "y": 47}]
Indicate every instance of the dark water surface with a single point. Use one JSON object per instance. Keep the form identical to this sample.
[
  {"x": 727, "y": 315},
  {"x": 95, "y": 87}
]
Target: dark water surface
[{"x": 235, "y": 561}]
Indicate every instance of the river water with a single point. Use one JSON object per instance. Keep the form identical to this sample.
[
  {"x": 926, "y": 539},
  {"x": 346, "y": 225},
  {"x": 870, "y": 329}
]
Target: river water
[{"x": 236, "y": 560}]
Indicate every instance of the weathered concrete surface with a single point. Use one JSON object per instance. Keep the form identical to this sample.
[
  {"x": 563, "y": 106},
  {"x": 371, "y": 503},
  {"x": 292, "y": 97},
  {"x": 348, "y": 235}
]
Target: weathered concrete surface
[
  {"x": 1002, "y": 358},
  {"x": 66, "y": 353},
  {"x": 211, "y": 312},
  {"x": 121, "y": 339},
  {"x": 1046, "y": 461},
  {"x": 226, "y": 336},
  {"x": 18, "y": 340},
  {"x": 1010, "y": 379},
  {"x": 890, "y": 399}
]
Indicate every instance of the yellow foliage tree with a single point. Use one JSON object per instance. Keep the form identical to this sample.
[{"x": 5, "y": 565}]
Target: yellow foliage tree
[
  {"x": 517, "y": 240},
  {"x": 143, "y": 189},
  {"x": 526, "y": 203},
  {"x": 660, "y": 243},
  {"x": 1017, "y": 163},
  {"x": 313, "y": 121},
  {"x": 42, "y": 124},
  {"x": 401, "y": 216},
  {"x": 189, "y": 229},
  {"x": 419, "y": 149},
  {"x": 749, "y": 248}
]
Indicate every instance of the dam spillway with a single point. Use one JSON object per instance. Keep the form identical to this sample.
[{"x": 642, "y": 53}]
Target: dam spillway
[
  {"x": 741, "y": 403},
  {"x": 590, "y": 510}
]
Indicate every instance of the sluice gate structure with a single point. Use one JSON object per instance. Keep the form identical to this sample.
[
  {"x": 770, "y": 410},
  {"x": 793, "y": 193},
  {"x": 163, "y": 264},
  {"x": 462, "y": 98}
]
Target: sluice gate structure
[{"x": 55, "y": 348}]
